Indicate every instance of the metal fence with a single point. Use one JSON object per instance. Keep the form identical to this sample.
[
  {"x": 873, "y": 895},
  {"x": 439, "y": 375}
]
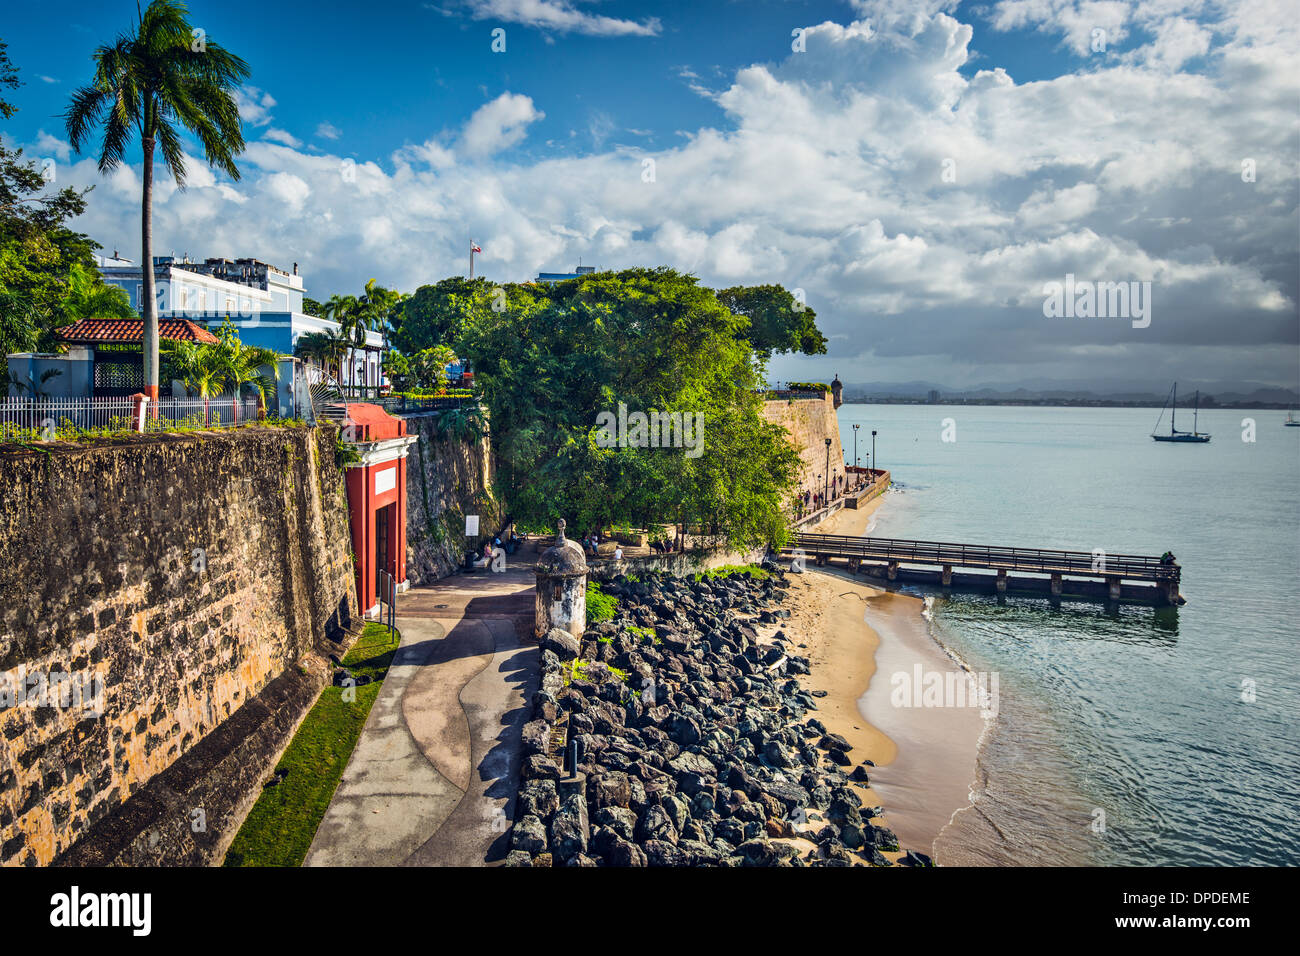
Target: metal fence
[
  {"x": 213, "y": 412},
  {"x": 46, "y": 418}
]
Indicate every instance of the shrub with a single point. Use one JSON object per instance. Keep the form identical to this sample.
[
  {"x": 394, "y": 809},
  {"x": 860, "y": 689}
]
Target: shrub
[{"x": 600, "y": 606}]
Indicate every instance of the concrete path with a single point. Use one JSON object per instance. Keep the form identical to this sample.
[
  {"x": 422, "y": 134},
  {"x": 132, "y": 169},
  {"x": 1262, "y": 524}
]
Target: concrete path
[{"x": 434, "y": 774}]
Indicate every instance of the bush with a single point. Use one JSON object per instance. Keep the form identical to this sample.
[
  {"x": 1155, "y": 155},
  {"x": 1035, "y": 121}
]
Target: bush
[{"x": 600, "y": 606}]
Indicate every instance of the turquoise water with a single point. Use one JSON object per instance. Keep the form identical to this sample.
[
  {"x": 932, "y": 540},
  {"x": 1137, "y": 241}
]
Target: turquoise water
[{"x": 1123, "y": 737}]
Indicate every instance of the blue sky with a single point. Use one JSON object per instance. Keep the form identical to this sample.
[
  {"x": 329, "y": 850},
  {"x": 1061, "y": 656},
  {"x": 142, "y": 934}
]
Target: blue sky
[
  {"x": 920, "y": 170},
  {"x": 387, "y": 73}
]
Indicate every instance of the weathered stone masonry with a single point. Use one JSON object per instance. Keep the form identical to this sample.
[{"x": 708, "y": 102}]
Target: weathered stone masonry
[
  {"x": 190, "y": 573},
  {"x": 447, "y": 479}
]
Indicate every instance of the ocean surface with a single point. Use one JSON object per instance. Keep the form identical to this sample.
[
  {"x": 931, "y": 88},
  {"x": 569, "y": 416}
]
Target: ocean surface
[{"x": 1133, "y": 736}]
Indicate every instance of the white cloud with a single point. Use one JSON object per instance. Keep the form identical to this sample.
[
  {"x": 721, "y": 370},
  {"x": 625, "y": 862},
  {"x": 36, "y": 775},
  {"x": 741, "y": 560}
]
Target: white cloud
[
  {"x": 287, "y": 188},
  {"x": 283, "y": 137},
  {"x": 499, "y": 124},
  {"x": 560, "y": 16},
  {"x": 328, "y": 131},
  {"x": 828, "y": 175},
  {"x": 254, "y": 105},
  {"x": 47, "y": 145}
]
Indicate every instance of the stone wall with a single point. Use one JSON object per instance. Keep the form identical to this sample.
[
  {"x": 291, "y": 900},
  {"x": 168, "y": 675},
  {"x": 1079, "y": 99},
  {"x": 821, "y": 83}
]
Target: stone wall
[
  {"x": 180, "y": 576},
  {"x": 810, "y": 421},
  {"x": 678, "y": 564},
  {"x": 446, "y": 479}
]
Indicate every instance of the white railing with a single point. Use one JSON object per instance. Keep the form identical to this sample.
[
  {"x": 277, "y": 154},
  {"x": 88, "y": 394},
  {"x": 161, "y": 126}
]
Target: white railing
[
  {"x": 41, "y": 419},
  {"x": 221, "y": 410}
]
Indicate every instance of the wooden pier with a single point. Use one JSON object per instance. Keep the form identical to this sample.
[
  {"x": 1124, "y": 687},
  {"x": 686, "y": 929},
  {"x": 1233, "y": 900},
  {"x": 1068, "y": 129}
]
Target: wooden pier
[{"x": 1072, "y": 574}]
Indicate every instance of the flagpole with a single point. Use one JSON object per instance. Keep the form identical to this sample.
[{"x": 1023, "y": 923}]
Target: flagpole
[{"x": 471, "y": 258}]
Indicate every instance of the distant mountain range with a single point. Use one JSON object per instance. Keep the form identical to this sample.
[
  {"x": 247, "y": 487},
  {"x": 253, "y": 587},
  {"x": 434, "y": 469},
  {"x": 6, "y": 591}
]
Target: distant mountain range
[{"x": 1093, "y": 392}]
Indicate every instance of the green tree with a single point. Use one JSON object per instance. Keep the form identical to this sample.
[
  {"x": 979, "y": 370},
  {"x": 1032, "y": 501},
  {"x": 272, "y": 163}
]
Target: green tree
[
  {"x": 778, "y": 322},
  {"x": 18, "y": 323},
  {"x": 326, "y": 349},
  {"x": 438, "y": 314},
  {"x": 39, "y": 256},
  {"x": 554, "y": 359},
  {"x": 88, "y": 296},
  {"x": 153, "y": 82},
  {"x": 345, "y": 310}
]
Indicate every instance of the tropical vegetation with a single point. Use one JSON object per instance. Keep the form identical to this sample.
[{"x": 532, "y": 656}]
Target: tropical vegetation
[
  {"x": 48, "y": 277},
  {"x": 549, "y": 360},
  {"x": 151, "y": 83},
  {"x": 207, "y": 370}
]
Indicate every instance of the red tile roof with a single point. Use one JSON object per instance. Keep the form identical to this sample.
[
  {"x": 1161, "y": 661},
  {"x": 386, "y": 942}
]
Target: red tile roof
[{"x": 132, "y": 330}]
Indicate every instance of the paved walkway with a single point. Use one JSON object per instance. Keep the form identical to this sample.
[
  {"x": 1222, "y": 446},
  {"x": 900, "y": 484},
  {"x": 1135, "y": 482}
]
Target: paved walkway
[{"x": 434, "y": 774}]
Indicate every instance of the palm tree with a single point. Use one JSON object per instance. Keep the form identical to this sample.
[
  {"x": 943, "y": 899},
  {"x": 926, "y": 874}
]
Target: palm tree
[
  {"x": 376, "y": 305},
  {"x": 242, "y": 365},
  {"x": 346, "y": 311},
  {"x": 155, "y": 82},
  {"x": 199, "y": 369},
  {"x": 88, "y": 296}
]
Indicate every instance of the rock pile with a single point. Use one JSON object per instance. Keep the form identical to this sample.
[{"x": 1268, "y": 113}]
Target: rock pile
[{"x": 692, "y": 738}]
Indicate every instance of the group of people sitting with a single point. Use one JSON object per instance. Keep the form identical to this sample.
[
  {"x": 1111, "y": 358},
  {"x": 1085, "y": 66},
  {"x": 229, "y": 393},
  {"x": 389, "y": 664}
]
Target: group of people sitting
[
  {"x": 591, "y": 547},
  {"x": 508, "y": 545}
]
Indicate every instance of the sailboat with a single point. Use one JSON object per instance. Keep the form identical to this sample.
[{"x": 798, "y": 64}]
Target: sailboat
[
  {"x": 1291, "y": 421},
  {"x": 1174, "y": 433}
]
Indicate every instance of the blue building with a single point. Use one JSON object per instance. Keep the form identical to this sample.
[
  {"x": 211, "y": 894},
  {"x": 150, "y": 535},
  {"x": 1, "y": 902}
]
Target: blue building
[
  {"x": 263, "y": 303},
  {"x": 549, "y": 277}
]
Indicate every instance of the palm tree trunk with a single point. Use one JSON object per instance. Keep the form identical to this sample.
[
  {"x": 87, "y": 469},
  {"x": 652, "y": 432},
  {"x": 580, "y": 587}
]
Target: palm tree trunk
[{"x": 150, "y": 303}]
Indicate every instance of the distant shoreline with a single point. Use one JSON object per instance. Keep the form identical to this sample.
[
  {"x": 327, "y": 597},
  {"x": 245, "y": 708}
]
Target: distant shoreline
[{"x": 1053, "y": 403}]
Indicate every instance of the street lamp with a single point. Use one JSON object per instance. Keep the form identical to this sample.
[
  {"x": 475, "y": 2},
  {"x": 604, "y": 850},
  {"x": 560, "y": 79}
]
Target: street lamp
[
  {"x": 874, "y": 466},
  {"x": 856, "y": 474},
  {"x": 827, "y": 497}
]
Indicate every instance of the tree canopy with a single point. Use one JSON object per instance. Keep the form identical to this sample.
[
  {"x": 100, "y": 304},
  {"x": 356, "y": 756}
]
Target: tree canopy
[
  {"x": 778, "y": 322},
  {"x": 552, "y": 363},
  {"x": 48, "y": 276}
]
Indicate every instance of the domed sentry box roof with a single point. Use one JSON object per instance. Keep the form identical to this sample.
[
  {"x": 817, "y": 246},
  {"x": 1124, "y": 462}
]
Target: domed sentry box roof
[{"x": 564, "y": 559}]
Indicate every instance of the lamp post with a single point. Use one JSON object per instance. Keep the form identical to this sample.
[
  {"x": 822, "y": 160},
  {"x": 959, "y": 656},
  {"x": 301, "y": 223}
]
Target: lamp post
[
  {"x": 856, "y": 474},
  {"x": 828, "y": 473},
  {"x": 873, "y": 454}
]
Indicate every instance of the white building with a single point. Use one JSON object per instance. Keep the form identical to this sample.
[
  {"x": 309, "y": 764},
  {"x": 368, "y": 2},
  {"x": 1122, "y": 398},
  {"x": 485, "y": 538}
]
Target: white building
[{"x": 264, "y": 305}]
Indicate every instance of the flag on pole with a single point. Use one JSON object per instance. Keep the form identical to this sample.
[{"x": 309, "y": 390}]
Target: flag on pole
[{"x": 474, "y": 247}]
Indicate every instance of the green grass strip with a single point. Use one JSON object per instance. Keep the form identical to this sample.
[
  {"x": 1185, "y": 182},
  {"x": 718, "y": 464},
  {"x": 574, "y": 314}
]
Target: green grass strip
[{"x": 279, "y": 829}]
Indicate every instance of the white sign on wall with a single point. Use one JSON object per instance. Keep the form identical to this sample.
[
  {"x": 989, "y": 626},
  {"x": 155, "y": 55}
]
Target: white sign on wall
[
  {"x": 385, "y": 480},
  {"x": 471, "y": 525}
]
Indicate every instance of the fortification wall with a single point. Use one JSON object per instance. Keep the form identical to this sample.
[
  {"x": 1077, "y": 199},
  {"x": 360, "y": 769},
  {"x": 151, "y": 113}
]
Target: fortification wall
[
  {"x": 172, "y": 578},
  {"x": 810, "y": 421},
  {"x": 447, "y": 478}
]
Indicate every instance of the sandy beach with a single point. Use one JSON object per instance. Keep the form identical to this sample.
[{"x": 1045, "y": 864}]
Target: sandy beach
[{"x": 858, "y": 637}]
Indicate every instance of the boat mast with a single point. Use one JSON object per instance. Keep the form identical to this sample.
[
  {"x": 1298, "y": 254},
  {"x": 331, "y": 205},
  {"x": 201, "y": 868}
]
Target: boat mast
[
  {"x": 1196, "y": 411},
  {"x": 1173, "y": 414}
]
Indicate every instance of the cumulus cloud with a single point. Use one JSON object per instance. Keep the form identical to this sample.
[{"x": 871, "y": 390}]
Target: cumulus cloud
[
  {"x": 254, "y": 105},
  {"x": 282, "y": 136},
  {"x": 499, "y": 124},
  {"x": 561, "y": 17},
  {"x": 47, "y": 145},
  {"x": 328, "y": 131},
  {"x": 920, "y": 209}
]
